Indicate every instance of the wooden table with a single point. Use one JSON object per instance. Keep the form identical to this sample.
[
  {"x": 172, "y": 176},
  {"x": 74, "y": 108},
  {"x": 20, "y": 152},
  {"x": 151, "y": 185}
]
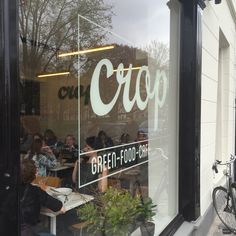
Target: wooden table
[
  {"x": 74, "y": 200},
  {"x": 55, "y": 170}
]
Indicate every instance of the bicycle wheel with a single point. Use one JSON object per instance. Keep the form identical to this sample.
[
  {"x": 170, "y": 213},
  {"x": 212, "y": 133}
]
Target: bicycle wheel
[{"x": 224, "y": 206}]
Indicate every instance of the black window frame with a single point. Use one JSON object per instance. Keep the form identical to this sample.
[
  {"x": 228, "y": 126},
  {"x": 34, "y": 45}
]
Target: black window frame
[
  {"x": 9, "y": 116},
  {"x": 189, "y": 114}
]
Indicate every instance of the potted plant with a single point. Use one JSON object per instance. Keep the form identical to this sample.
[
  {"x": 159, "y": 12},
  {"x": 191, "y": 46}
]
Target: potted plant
[
  {"x": 147, "y": 210},
  {"x": 112, "y": 213}
]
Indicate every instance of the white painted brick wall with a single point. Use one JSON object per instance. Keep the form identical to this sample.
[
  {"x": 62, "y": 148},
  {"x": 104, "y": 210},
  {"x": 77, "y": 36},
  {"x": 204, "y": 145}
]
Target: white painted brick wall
[{"x": 215, "y": 17}]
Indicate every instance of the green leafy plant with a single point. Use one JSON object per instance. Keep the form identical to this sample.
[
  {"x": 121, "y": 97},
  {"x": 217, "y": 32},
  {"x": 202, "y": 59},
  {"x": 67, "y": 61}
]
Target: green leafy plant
[
  {"x": 147, "y": 210},
  {"x": 112, "y": 213}
]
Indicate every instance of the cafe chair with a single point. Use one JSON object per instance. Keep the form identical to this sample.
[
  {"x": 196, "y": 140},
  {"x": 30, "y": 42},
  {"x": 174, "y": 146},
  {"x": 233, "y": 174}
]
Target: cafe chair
[
  {"x": 48, "y": 181},
  {"x": 78, "y": 228},
  {"x": 114, "y": 182}
]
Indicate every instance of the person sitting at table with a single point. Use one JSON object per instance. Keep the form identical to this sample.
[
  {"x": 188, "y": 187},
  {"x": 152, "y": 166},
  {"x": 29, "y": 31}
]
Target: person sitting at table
[
  {"x": 50, "y": 137},
  {"x": 43, "y": 157},
  {"x": 70, "y": 151},
  {"x": 141, "y": 136},
  {"x": 124, "y": 138},
  {"x": 87, "y": 164},
  {"x": 51, "y": 140},
  {"x": 103, "y": 140},
  {"x": 32, "y": 198}
]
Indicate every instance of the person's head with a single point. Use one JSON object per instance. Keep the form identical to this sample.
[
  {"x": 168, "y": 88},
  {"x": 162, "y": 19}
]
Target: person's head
[
  {"x": 102, "y": 134},
  {"x": 70, "y": 140},
  {"x": 27, "y": 171},
  {"x": 90, "y": 145},
  {"x": 124, "y": 138},
  {"x": 49, "y": 134},
  {"x": 141, "y": 135},
  {"x": 36, "y": 145}
]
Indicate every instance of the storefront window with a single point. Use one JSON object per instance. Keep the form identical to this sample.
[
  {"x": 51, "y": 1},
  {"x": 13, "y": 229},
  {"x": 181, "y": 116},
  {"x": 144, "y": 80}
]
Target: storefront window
[{"x": 99, "y": 87}]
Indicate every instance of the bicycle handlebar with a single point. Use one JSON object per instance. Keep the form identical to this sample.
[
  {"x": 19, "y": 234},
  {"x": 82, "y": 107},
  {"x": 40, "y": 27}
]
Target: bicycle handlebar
[{"x": 217, "y": 162}]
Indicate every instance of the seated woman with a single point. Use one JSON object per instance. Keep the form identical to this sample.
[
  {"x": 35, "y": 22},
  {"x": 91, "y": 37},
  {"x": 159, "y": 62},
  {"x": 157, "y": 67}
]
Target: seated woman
[
  {"x": 103, "y": 141},
  {"x": 32, "y": 198},
  {"x": 124, "y": 138},
  {"x": 50, "y": 137},
  {"x": 51, "y": 140},
  {"x": 42, "y": 156},
  {"x": 70, "y": 151},
  {"x": 86, "y": 172}
]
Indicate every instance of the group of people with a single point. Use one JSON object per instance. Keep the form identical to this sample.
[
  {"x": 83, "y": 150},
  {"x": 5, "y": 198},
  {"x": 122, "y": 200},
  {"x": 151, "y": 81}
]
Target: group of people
[
  {"x": 45, "y": 150},
  {"x": 32, "y": 198},
  {"x": 42, "y": 155},
  {"x": 41, "y": 152}
]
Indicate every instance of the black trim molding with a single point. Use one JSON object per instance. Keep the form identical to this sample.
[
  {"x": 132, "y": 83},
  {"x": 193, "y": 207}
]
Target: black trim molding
[
  {"x": 190, "y": 115},
  {"x": 173, "y": 226},
  {"x": 9, "y": 116},
  {"x": 190, "y": 110}
]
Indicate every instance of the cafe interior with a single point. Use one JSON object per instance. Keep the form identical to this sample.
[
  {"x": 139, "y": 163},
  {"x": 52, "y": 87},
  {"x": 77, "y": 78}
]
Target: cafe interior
[{"x": 80, "y": 150}]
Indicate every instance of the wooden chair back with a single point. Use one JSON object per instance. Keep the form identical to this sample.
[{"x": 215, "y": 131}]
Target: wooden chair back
[
  {"x": 48, "y": 181},
  {"x": 114, "y": 182}
]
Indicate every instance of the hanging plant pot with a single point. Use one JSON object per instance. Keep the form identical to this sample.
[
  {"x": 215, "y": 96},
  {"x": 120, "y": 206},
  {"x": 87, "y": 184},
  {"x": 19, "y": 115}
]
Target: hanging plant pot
[{"x": 147, "y": 229}]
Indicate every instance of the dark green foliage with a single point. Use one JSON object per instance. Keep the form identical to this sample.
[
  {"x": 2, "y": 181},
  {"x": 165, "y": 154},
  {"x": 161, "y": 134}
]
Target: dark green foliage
[{"x": 114, "y": 213}]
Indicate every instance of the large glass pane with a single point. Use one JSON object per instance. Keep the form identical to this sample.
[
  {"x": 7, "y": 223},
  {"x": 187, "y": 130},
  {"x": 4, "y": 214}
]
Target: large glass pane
[{"x": 99, "y": 100}]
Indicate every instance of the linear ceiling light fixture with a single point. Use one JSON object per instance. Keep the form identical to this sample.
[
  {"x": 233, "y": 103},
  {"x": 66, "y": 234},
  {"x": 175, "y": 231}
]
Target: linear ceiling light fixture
[
  {"x": 133, "y": 68},
  {"x": 53, "y": 74},
  {"x": 86, "y": 51}
]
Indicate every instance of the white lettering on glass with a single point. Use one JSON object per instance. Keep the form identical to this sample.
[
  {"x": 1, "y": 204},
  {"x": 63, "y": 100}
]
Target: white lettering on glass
[{"x": 101, "y": 109}]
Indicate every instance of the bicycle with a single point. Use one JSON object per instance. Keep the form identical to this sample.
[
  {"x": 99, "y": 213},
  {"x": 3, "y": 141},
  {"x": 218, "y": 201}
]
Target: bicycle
[{"x": 224, "y": 198}]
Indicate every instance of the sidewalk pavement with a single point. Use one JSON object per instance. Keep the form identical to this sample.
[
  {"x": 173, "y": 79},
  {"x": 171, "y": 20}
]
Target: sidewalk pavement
[{"x": 216, "y": 228}]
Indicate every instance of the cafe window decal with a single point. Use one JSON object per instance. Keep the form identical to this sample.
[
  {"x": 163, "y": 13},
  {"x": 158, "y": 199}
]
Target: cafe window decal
[
  {"x": 125, "y": 156},
  {"x": 89, "y": 71},
  {"x": 71, "y": 92},
  {"x": 102, "y": 109}
]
